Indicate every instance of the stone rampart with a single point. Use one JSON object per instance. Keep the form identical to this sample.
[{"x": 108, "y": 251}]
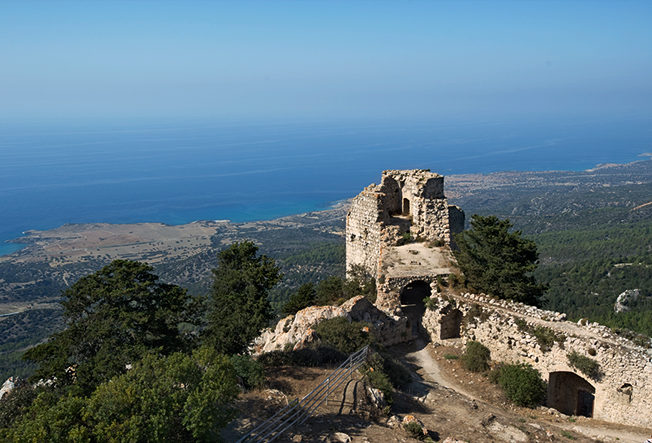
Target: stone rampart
[{"x": 621, "y": 389}]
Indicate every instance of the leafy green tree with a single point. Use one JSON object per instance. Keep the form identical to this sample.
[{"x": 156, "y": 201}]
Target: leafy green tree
[
  {"x": 177, "y": 398},
  {"x": 497, "y": 261},
  {"x": 51, "y": 420},
  {"x": 238, "y": 304},
  {"x": 114, "y": 317},
  {"x": 304, "y": 297}
]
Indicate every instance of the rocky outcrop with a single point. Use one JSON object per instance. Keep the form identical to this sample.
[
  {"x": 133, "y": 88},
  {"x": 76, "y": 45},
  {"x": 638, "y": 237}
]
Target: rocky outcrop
[
  {"x": 7, "y": 387},
  {"x": 296, "y": 332},
  {"x": 625, "y": 299}
]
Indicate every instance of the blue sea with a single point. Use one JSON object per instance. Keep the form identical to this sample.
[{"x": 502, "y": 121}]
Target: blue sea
[{"x": 180, "y": 171}]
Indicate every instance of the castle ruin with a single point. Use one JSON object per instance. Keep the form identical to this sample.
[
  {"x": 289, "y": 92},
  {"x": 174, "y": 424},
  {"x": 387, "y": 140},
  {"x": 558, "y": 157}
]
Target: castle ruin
[
  {"x": 400, "y": 232},
  {"x": 395, "y": 230}
]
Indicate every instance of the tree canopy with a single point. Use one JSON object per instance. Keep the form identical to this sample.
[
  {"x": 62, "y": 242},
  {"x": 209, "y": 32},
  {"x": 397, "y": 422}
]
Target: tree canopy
[
  {"x": 238, "y": 304},
  {"x": 114, "y": 317},
  {"x": 497, "y": 261},
  {"x": 175, "y": 398}
]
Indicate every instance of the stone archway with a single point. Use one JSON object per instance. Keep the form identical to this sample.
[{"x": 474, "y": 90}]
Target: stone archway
[
  {"x": 412, "y": 304},
  {"x": 406, "y": 206},
  {"x": 570, "y": 394}
]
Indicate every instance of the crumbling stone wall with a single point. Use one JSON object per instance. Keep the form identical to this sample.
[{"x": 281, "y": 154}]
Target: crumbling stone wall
[
  {"x": 622, "y": 391},
  {"x": 406, "y": 201}
]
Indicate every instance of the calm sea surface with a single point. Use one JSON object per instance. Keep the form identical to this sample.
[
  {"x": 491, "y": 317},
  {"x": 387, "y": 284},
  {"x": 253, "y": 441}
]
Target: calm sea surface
[{"x": 177, "y": 173}]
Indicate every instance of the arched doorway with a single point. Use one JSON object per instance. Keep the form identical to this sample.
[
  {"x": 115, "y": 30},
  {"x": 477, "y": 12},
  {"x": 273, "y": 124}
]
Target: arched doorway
[
  {"x": 570, "y": 394},
  {"x": 393, "y": 196},
  {"x": 451, "y": 323},
  {"x": 406, "y": 206},
  {"x": 412, "y": 304}
]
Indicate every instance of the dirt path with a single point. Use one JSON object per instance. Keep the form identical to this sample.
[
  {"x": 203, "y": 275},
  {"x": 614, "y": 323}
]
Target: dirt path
[
  {"x": 426, "y": 366},
  {"x": 429, "y": 370}
]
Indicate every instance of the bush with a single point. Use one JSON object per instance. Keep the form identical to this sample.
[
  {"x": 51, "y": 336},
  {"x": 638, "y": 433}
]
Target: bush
[
  {"x": 343, "y": 335},
  {"x": 476, "y": 357},
  {"x": 379, "y": 380},
  {"x": 14, "y": 403},
  {"x": 431, "y": 304},
  {"x": 414, "y": 430},
  {"x": 250, "y": 373},
  {"x": 585, "y": 365},
  {"x": 545, "y": 337},
  {"x": 521, "y": 383}
]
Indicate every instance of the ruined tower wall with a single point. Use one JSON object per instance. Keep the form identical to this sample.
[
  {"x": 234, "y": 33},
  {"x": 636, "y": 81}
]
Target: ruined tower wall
[
  {"x": 410, "y": 200},
  {"x": 623, "y": 391},
  {"x": 363, "y": 231}
]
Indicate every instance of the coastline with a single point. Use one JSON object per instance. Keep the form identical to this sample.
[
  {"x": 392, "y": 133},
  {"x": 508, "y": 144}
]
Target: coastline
[{"x": 456, "y": 186}]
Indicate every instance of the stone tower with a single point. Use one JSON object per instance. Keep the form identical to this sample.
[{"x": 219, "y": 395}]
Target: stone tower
[{"x": 407, "y": 205}]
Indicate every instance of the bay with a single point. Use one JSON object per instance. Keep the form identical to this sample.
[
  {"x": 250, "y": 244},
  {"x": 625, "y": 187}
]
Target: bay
[{"x": 180, "y": 171}]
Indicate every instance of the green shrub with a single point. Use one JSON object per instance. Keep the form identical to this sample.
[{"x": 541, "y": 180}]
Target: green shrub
[
  {"x": 379, "y": 380},
  {"x": 494, "y": 374},
  {"x": 250, "y": 373},
  {"x": 343, "y": 335},
  {"x": 451, "y": 356},
  {"x": 585, "y": 365},
  {"x": 545, "y": 337},
  {"x": 330, "y": 291},
  {"x": 414, "y": 430},
  {"x": 521, "y": 383},
  {"x": 476, "y": 357},
  {"x": 431, "y": 303}
]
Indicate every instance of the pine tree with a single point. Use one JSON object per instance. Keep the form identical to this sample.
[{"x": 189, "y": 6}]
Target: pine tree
[
  {"x": 497, "y": 261},
  {"x": 238, "y": 304}
]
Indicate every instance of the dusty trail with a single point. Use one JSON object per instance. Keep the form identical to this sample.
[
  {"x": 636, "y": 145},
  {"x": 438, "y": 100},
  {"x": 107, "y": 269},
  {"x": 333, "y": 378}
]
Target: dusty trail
[{"x": 428, "y": 369}]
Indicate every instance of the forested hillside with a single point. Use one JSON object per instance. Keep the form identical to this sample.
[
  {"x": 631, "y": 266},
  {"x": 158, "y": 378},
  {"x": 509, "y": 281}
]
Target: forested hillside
[{"x": 594, "y": 241}]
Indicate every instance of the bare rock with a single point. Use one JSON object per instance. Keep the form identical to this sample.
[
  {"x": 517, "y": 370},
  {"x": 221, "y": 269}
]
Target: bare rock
[
  {"x": 394, "y": 421},
  {"x": 340, "y": 437},
  {"x": 296, "y": 330},
  {"x": 507, "y": 433},
  {"x": 625, "y": 299},
  {"x": 7, "y": 387}
]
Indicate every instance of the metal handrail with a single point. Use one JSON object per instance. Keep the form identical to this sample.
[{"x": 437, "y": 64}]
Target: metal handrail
[{"x": 298, "y": 411}]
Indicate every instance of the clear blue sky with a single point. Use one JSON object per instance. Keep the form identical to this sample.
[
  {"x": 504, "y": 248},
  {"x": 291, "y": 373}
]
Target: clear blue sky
[{"x": 323, "y": 59}]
